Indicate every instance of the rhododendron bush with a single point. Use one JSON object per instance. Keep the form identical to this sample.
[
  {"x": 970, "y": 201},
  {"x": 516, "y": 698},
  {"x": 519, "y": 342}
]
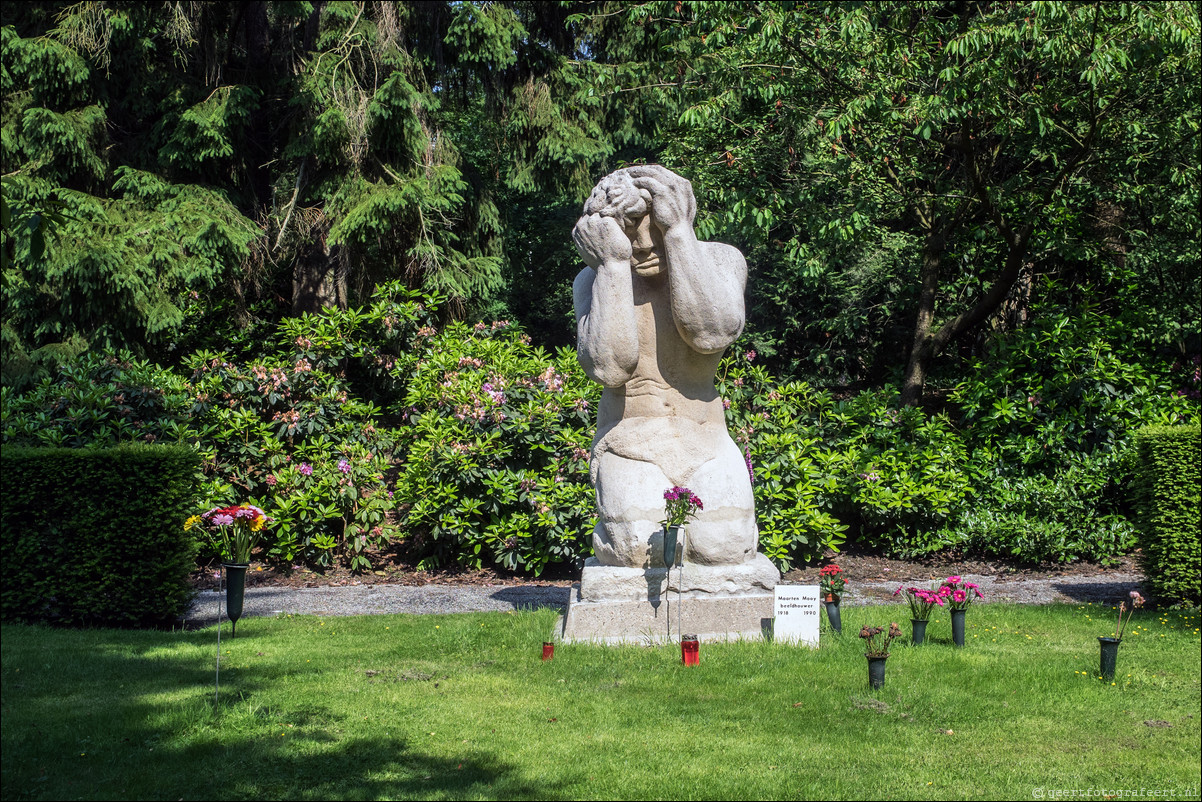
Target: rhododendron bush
[
  {"x": 494, "y": 461},
  {"x": 379, "y": 428}
]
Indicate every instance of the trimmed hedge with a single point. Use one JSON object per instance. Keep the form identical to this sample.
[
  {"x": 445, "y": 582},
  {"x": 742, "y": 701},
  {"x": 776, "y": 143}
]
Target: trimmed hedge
[
  {"x": 1168, "y": 501},
  {"x": 95, "y": 536}
]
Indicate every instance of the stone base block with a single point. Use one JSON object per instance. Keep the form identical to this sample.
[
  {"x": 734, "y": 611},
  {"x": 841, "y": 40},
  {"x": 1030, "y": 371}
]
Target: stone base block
[
  {"x": 710, "y": 618},
  {"x": 652, "y": 605},
  {"x": 600, "y": 583}
]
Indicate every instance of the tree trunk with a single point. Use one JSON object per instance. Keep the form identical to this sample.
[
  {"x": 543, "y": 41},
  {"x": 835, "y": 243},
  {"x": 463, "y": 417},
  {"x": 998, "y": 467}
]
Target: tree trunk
[
  {"x": 928, "y": 345},
  {"x": 920, "y": 348},
  {"x": 258, "y": 65},
  {"x": 317, "y": 280}
]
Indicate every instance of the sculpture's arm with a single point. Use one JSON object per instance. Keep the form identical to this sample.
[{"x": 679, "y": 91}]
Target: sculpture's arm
[
  {"x": 607, "y": 339},
  {"x": 707, "y": 283},
  {"x": 707, "y": 279}
]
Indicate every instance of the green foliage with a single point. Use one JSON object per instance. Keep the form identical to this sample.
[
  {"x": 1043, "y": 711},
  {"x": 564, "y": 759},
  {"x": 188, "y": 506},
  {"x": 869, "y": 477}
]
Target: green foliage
[
  {"x": 98, "y": 402},
  {"x": 136, "y": 262},
  {"x": 297, "y": 430},
  {"x": 288, "y": 438},
  {"x": 821, "y": 466},
  {"x": 1074, "y": 513},
  {"x": 856, "y": 150},
  {"x": 95, "y": 536},
  {"x": 1051, "y": 410},
  {"x": 1070, "y": 383},
  {"x": 495, "y": 459},
  {"x": 1168, "y": 494},
  {"x": 207, "y": 137},
  {"x": 290, "y": 156},
  {"x": 299, "y": 433},
  {"x": 178, "y": 178}
]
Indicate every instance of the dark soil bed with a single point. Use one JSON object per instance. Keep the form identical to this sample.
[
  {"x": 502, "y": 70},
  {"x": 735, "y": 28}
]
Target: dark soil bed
[{"x": 858, "y": 565}]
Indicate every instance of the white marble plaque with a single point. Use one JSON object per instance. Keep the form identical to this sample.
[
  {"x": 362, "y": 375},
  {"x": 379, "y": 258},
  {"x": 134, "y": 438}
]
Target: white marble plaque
[{"x": 796, "y": 615}]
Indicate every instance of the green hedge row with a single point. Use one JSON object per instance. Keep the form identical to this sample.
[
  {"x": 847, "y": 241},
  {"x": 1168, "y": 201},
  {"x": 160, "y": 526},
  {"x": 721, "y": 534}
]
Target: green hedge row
[
  {"x": 1168, "y": 503},
  {"x": 95, "y": 536}
]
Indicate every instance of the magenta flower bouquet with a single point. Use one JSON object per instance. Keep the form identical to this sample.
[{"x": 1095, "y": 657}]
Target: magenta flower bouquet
[
  {"x": 958, "y": 593},
  {"x": 682, "y": 504},
  {"x": 922, "y": 601}
]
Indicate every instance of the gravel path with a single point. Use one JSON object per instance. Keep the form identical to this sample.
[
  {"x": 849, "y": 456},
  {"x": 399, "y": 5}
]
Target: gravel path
[{"x": 374, "y": 599}]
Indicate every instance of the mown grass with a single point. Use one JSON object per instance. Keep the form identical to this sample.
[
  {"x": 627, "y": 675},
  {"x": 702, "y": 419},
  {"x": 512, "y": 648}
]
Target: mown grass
[{"x": 461, "y": 707}]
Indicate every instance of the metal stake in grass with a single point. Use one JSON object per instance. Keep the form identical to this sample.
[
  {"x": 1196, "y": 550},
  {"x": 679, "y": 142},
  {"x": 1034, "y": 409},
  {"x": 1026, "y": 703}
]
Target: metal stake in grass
[
  {"x": 679, "y": 584},
  {"x": 681, "y": 504},
  {"x": 220, "y": 610}
]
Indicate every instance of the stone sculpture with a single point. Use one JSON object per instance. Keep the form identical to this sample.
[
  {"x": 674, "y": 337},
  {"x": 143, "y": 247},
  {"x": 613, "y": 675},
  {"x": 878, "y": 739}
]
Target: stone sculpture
[{"x": 655, "y": 310}]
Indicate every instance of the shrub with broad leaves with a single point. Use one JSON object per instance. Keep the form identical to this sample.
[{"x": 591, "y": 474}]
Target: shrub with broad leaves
[{"x": 495, "y": 455}]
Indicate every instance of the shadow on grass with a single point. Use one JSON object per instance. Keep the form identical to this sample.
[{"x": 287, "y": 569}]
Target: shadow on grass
[{"x": 111, "y": 722}]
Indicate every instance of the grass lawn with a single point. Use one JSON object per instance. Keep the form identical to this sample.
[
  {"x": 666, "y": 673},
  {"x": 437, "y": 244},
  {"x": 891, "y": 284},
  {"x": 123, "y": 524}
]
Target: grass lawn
[{"x": 461, "y": 707}]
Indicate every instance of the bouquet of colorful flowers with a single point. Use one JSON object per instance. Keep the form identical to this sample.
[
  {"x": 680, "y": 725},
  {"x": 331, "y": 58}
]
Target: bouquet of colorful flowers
[
  {"x": 877, "y": 648},
  {"x": 682, "y": 505},
  {"x": 831, "y": 581},
  {"x": 239, "y": 527},
  {"x": 959, "y": 594},
  {"x": 922, "y": 601}
]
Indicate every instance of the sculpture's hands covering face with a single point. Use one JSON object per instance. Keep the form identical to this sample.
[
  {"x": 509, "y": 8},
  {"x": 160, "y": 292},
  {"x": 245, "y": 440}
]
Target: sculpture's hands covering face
[
  {"x": 600, "y": 239},
  {"x": 672, "y": 201}
]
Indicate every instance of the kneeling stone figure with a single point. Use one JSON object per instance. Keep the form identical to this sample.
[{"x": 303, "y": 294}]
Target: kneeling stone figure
[{"x": 656, "y": 309}]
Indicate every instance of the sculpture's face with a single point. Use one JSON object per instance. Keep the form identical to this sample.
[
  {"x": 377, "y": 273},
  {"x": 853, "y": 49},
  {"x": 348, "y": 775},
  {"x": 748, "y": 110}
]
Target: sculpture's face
[{"x": 646, "y": 247}]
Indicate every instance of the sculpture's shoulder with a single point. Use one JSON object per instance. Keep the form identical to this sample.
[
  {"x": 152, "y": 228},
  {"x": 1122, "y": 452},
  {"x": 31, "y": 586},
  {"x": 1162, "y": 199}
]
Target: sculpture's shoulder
[
  {"x": 582, "y": 285},
  {"x": 726, "y": 257}
]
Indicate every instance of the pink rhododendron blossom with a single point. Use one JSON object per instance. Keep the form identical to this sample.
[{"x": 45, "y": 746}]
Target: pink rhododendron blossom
[{"x": 305, "y": 469}]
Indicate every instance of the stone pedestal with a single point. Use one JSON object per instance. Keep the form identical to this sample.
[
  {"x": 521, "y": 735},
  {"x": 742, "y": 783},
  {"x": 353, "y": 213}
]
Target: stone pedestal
[{"x": 637, "y": 605}]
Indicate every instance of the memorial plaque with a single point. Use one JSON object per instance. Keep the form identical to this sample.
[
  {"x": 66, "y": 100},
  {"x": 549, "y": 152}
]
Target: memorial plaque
[{"x": 796, "y": 615}]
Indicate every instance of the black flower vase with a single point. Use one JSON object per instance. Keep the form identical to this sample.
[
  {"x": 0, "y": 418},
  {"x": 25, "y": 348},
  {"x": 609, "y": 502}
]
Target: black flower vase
[
  {"x": 671, "y": 539},
  {"x": 918, "y": 629},
  {"x": 832, "y": 613},
  {"x": 1110, "y": 654},
  {"x": 958, "y": 627},
  {"x": 876, "y": 671},
  {"x": 235, "y": 590}
]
